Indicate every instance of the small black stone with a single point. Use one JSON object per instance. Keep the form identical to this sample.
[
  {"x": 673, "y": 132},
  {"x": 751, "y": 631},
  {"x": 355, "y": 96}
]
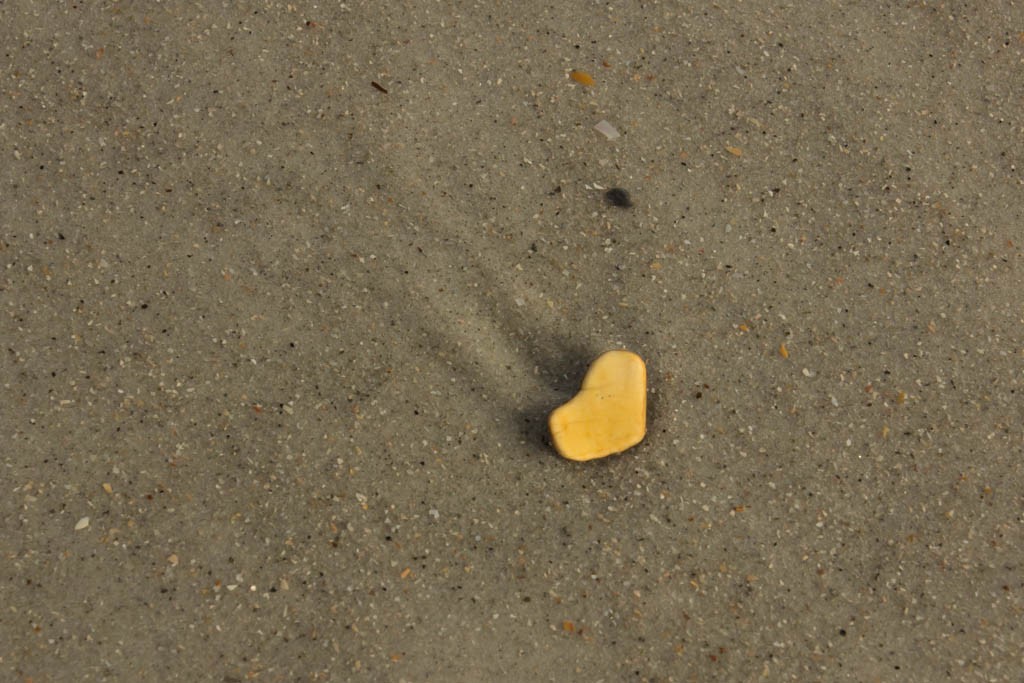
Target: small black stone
[{"x": 618, "y": 197}]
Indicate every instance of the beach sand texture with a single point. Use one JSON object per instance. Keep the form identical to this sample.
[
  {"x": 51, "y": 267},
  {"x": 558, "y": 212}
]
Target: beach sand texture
[{"x": 289, "y": 291}]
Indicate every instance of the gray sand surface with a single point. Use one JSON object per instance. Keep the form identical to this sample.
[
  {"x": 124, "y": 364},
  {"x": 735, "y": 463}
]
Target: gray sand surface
[{"x": 278, "y": 346}]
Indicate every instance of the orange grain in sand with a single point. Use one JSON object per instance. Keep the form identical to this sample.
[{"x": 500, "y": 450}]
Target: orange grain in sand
[{"x": 582, "y": 77}]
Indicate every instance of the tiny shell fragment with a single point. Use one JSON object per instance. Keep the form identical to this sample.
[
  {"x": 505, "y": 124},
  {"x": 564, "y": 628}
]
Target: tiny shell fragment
[
  {"x": 581, "y": 77},
  {"x": 606, "y": 129},
  {"x": 82, "y": 524},
  {"x": 735, "y": 151}
]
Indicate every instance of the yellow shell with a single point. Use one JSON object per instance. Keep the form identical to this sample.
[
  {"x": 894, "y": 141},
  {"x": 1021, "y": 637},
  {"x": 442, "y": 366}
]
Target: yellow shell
[{"x": 609, "y": 414}]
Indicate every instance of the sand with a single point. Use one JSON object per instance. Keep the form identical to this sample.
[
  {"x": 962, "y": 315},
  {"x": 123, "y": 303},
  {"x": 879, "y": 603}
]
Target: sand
[{"x": 290, "y": 289}]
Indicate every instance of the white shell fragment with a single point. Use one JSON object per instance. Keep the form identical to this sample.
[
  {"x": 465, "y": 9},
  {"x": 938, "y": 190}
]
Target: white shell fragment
[
  {"x": 82, "y": 524},
  {"x": 606, "y": 129}
]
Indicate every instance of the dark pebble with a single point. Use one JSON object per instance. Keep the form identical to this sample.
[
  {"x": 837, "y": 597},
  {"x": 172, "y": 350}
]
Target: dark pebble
[{"x": 618, "y": 197}]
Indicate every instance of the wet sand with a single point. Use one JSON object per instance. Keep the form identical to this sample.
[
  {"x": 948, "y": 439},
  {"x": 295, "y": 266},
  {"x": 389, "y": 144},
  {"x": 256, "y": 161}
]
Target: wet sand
[{"x": 290, "y": 290}]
